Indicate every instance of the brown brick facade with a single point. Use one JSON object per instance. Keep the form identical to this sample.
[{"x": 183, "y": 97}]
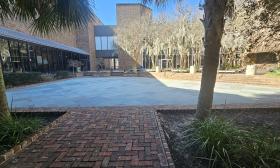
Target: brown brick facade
[
  {"x": 126, "y": 14},
  {"x": 130, "y": 12},
  {"x": 86, "y": 41},
  {"x": 65, "y": 37}
]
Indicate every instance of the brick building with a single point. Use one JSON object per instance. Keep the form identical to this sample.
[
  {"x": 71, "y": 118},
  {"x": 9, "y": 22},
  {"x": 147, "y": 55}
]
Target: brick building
[
  {"x": 108, "y": 55},
  {"x": 91, "y": 48},
  {"x": 21, "y": 50},
  {"x": 128, "y": 12}
]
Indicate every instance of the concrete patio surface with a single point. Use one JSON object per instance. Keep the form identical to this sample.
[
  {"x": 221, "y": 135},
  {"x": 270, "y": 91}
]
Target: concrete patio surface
[{"x": 129, "y": 91}]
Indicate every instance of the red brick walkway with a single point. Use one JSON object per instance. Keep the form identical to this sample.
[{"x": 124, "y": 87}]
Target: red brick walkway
[{"x": 98, "y": 137}]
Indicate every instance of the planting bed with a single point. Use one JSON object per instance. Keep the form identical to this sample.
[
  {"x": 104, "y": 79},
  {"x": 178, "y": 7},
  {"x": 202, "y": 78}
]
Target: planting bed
[
  {"x": 265, "y": 121},
  {"x": 24, "y": 128}
]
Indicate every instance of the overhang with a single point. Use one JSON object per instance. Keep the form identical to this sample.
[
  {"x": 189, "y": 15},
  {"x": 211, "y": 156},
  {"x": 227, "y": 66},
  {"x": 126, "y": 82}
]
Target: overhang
[{"x": 16, "y": 35}]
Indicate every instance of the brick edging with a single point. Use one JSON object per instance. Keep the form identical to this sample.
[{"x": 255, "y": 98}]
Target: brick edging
[
  {"x": 164, "y": 144},
  {"x": 25, "y": 143}
]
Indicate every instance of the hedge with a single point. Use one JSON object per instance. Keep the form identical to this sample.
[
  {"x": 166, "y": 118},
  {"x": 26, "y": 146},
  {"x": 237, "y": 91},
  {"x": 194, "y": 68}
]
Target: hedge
[
  {"x": 22, "y": 78},
  {"x": 62, "y": 75}
]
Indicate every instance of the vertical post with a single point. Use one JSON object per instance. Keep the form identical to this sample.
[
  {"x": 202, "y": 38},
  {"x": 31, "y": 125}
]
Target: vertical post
[
  {"x": 62, "y": 60},
  {"x": 42, "y": 65},
  {"x": 11, "y": 55},
  {"x": 35, "y": 54},
  {"x": 58, "y": 60},
  {"x": 20, "y": 56},
  {"x": 48, "y": 54},
  {"x": 71, "y": 56},
  {"x": 28, "y": 57},
  {"x": 55, "y": 58}
]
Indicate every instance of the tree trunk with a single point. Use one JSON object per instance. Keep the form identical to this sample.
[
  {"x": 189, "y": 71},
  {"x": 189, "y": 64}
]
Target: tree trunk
[
  {"x": 214, "y": 13},
  {"x": 4, "y": 108}
]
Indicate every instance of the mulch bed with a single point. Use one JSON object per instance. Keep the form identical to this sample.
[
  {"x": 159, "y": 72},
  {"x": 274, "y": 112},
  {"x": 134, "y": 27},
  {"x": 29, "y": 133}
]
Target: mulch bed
[{"x": 264, "y": 119}]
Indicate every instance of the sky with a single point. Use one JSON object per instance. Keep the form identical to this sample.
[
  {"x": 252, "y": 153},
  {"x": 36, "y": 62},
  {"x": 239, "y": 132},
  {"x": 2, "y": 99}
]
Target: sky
[{"x": 106, "y": 9}]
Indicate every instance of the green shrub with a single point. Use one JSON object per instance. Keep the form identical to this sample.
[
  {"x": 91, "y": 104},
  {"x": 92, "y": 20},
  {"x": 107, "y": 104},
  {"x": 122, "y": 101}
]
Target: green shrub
[
  {"x": 21, "y": 78},
  {"x": 62, "y": 74},
  {"x": 218, "y": 143},
  {"x": 13, "y": 131}
]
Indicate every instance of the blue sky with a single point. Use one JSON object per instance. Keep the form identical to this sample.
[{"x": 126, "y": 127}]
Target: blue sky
[{"x": 106, "y": 9}]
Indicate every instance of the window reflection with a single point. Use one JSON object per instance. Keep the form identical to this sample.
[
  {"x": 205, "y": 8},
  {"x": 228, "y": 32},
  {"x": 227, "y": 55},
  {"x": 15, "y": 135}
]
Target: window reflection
[
  {"x": 18, "y": 56},
  {"x": 98, "y": 43},
  {"x": 105, "y": 42},
  {"x": 110, "y": 43}
]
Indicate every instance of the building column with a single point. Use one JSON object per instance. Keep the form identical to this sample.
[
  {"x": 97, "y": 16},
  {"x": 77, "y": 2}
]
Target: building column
[{"x": 28, "y": 57}]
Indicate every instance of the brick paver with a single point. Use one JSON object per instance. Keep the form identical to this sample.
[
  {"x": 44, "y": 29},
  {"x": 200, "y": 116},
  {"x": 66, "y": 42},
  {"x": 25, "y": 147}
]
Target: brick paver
[{"x": 98, "y": 137}]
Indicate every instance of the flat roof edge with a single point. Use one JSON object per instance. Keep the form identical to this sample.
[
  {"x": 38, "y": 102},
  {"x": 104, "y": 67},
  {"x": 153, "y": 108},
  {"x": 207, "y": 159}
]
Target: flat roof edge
[{"x": 133, "y": 4}]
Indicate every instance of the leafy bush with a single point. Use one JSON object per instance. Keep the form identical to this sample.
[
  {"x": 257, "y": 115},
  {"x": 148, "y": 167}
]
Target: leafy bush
[
  {"x": 62, "y": 74},
  {"x": 13, "y": 131},
  {"x": 17, "y": 79},
  {"x": 218, "y": 143}
]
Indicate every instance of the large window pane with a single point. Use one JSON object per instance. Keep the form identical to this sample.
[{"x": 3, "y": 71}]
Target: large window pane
[
  {"x": 24, "y": 56},
  {"x": 98, "y": 43},
  {"x": 115, "y": 42},
  {"x": 104, "y": 43},
  {"x": 110, "y": 43},
  {"x": 15, "y": 56}
]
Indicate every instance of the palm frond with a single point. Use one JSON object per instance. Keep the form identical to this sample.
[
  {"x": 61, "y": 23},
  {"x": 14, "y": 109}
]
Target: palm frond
[
  {"x": 49, "y": 15},
  {"x": 60, "y": 14},
  {"x": 5, "y": 10}
]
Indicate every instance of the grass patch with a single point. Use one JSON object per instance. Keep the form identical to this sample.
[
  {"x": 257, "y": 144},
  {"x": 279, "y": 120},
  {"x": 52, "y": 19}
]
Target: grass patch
[
  {"x": 14, "y": 131},
  {"x": 274, "y": 73},
  {"x": 218, "y": 143}
]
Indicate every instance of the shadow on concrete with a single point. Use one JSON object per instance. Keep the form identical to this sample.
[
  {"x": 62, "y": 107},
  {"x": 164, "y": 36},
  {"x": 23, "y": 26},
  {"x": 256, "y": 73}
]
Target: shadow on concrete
[{"x": 120, "y": 91}]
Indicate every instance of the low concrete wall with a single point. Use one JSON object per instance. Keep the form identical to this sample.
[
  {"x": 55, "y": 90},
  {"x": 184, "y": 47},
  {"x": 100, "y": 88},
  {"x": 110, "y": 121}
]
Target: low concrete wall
[
  {"x": 228, "y": 78},
  {"x": 98, "y": 73},
  {"x": 112, "y": 73}
]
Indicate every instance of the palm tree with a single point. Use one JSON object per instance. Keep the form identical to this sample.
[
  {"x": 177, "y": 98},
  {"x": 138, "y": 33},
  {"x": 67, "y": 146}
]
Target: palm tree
[
  {"x": 215, "y": 12},
  {"x": 45, "y": 16}
]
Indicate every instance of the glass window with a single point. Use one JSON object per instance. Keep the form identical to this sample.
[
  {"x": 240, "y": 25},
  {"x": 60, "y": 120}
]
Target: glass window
[
  {"x": 39, "y": 60},
  {"x": 32, "y": 58},
  {"x": 98, "y": 43},
  {"x": 110, "y": 43},
  {"x": 24, "y": 57},
  {"x": 115, "y": 42},
  {"x": 15, "y": 56},
  {"x": 14, "y": 51},
  {"x": 104, "y": 43}
]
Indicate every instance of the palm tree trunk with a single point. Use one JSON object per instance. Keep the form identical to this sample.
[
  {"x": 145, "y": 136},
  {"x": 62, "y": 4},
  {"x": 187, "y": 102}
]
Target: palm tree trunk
[
  {"x": 4, "y": 108},
  {"x": 214, "y": 12}
]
